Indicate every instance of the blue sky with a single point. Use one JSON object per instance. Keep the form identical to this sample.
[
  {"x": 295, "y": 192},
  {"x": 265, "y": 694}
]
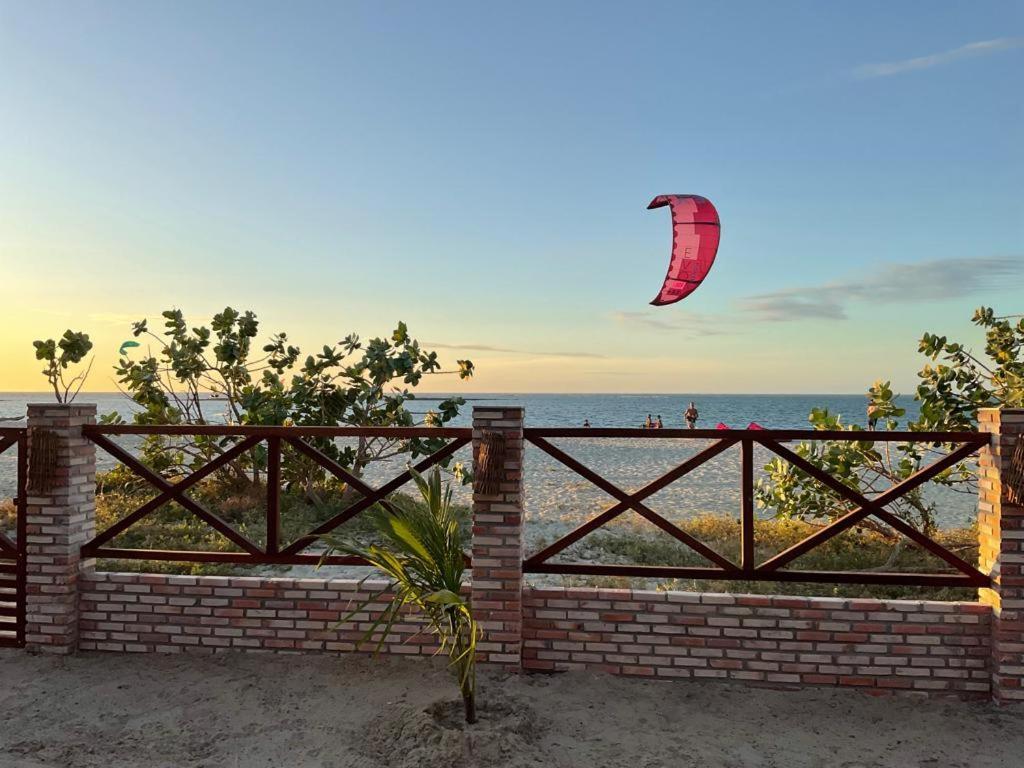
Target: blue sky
[{"x": 483, "y": 172}]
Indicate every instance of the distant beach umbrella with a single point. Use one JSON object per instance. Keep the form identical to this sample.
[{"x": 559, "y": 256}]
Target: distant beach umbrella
[
  {"x": 695, "y": 233},
  {"x": 754, "y": 425},
  {"x": 720, "y": 425}
]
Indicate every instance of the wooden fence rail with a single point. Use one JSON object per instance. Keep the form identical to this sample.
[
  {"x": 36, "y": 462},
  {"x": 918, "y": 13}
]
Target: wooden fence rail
[
  {"x": 963, "y": 445},
  {"x": 278, "y": 552},
  {"x": 275, "y": 551}
]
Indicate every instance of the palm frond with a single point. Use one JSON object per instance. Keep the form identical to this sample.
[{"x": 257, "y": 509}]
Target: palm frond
[{"x": 421, "y": 553}]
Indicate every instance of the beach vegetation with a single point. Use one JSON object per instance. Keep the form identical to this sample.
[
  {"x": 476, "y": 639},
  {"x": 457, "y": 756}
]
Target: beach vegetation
[
  {"x": 859, "y": 549},
  {"x": 421, "y": 552},
  {"x": 952, "y": 386},
  {"x": 59, "y": 355},
  {"x": 220, "y": 373},
  {"x": 240, "y": 504},
  {"x": 957, "y": 381}
]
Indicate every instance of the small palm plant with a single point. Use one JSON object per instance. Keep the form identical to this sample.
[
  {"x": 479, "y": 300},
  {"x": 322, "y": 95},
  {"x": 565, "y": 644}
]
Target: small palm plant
[{"x": 421, "y": 553}]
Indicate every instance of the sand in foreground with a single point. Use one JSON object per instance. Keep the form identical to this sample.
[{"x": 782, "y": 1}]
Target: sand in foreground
[{"x": 304, "y": 711}]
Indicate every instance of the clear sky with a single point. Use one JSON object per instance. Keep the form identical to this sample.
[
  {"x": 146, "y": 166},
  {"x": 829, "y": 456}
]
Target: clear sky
[{"x": 481, "y": 171}]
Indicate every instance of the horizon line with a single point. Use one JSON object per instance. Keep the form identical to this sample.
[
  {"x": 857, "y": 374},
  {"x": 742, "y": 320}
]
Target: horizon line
[{"x": 505, "y": 393}]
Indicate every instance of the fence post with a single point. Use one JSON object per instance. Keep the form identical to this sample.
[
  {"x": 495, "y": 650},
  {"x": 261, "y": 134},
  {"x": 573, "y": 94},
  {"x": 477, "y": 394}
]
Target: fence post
[
  {"x": 60, "y": 516},
  {"x": 1001, "y": 550},
  {"x": 497, "y": 590}
]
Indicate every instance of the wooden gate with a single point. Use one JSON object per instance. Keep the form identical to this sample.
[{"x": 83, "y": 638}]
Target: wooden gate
[{"x": 12, "y": 547}]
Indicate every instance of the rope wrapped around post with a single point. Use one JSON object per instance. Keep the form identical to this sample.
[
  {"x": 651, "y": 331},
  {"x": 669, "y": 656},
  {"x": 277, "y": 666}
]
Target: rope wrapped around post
[
  {"x": 1013, "y": 482},
  {"x": 490, "y": 462},
  {"x": 42, "y": 467}
]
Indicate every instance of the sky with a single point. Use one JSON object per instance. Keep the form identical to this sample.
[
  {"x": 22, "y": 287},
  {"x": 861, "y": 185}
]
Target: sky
[{"x": 481, "y": 171}]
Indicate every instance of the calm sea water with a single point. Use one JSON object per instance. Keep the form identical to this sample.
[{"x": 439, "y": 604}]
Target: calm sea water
[
  {"x": 557, "y": 498},
  {"x": 737, "y": 411},
  {"x": 609, "y": 410}
]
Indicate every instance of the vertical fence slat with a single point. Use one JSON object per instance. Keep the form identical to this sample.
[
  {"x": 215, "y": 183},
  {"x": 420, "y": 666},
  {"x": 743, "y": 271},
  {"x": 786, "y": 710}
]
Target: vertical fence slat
[
  {"x": 273, "y": 495},
  {"x": 19, "y": 511},
  {"x": 747, "y": 501}
]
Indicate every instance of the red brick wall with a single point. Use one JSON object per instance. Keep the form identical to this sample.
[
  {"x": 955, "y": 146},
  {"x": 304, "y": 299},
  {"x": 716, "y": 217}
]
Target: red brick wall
[
  {"x": 168, "y": 614},
  {"x": 59, "y": 519},
  {"x": 1001, "y": 551},
  {"x": 930, "y": 647},
  {"x": 498, "y": 541}
]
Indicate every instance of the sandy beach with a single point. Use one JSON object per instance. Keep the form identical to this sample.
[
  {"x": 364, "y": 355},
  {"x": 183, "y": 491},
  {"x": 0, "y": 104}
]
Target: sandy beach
[{"x": 237, "y": 711}]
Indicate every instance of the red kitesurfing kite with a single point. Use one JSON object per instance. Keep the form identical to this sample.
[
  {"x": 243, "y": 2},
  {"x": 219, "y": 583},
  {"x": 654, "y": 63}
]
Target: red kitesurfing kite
[{"x": 695, "y": 231}]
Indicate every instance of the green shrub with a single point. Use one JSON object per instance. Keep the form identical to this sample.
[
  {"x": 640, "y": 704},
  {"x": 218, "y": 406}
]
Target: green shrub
[
  {"x": 240, "y": 504},
  {"x": 421, "y": 551},
  {"x": 8, "y": 520},
  {"x": 855, "y": 550}
]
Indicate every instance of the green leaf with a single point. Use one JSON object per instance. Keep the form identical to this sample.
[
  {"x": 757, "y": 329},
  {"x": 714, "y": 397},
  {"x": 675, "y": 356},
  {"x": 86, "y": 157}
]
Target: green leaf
[{"x": 445, "y": 597}]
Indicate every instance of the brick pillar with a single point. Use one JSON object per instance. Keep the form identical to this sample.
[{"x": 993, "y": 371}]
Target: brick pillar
[
  {"x": 1001, "y": 551},
  {"x": 498, "y": 538},
  {"x": 60, "y": 516}
]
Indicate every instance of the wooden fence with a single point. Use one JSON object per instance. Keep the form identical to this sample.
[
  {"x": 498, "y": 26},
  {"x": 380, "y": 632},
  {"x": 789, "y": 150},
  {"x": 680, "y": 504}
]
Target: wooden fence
[
  {"x": 963, "y": 445},
  {"x": 243, "y": 439}
]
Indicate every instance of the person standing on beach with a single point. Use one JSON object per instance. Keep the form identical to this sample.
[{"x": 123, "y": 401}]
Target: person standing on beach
[
  {"x": 649, "y": 424},
  {"x": 691, "y": 416},
  {"x": 658, "y": 424},
  {"x": 872, "y": 415}
]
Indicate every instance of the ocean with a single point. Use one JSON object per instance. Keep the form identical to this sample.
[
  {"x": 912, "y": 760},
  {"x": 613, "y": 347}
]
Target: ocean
[
  {"x": 558, "y": 499},
  {"x": 605, "y": 410}
]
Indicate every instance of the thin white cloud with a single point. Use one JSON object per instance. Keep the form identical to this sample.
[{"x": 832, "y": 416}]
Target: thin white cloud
[
  {"x": 507, "y": 350},
  {"x": 115, "y": 318},
  {"x": 971, "y": 50},
  {"x": 922, "y": 281},
  {"x": 890, "y": 284},
  {"x": 689, "y": 322}
]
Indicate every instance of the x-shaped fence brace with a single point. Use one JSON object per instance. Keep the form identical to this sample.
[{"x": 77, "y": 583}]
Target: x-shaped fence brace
[
  {"x": 370, "y": 495},
  {"x": 274, "y": 553},
  {"x": 770, "y": 569},
  {"x": 632, "y": 501}
]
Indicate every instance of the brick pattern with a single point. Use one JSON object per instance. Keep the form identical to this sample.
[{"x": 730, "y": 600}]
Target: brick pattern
[
  {"x": 1001, "y": 540},
  {"x": 498, "y": 542},
  {"x": 964, "y": 649},
  {"x": 138, "y": 612},
  {"x": 58, "y": 522},
  {"x": 928, "y": 647}
]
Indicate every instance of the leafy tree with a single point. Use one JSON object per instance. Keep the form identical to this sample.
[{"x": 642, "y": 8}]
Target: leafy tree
[
  {"x": 350, "y": 383},
  {"x": 951, "y": 389},
  {"x": 59, "y": 355},
  {"x": 864, "y": 465},
  {"x": 421, "y": 551}
]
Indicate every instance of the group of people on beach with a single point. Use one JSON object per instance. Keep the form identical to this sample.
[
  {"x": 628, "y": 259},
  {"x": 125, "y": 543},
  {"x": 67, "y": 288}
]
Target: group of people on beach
[{"x": 690, "y": 416}]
